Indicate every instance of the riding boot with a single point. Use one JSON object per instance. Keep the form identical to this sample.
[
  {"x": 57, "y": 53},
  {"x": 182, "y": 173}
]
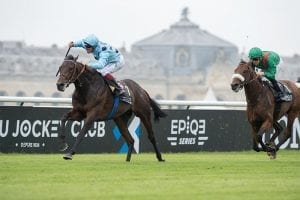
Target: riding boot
[
  {"x": 112, "y": 82},
  {"x": 279, "y": 94}
]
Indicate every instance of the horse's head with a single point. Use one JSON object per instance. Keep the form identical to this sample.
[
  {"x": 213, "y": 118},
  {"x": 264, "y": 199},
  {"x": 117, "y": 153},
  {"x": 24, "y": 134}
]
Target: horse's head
[
  {"x": 69, "y": 71},
  {"x": 243, "y": 74}
]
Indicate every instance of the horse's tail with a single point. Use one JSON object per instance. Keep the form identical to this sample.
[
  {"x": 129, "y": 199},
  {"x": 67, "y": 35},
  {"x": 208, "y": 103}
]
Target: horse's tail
[{"x": 157, "y": 110}]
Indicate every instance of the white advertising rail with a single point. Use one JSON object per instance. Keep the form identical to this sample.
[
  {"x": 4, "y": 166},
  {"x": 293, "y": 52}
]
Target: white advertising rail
[
  {"x": 22, "y": 100},
  {"x": 35, "y": 99}
]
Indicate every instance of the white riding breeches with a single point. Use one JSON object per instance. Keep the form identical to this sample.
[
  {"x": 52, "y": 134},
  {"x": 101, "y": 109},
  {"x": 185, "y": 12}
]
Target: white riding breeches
[{"x": 113, "y": 67}]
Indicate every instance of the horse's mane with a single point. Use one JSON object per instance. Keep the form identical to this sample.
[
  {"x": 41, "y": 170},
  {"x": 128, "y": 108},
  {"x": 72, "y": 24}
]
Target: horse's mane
[
  {"x": 251, "y": 67},
  {"x": 71, "y": 57},
  {"x": 243, "y": 62}
]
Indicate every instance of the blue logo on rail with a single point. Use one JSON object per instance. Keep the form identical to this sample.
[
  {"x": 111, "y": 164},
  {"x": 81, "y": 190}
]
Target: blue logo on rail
[{"x": 124, "y": 146}]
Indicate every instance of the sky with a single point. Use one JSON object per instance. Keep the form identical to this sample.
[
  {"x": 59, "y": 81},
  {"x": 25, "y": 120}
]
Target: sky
[{"x": 268, "y": 24}]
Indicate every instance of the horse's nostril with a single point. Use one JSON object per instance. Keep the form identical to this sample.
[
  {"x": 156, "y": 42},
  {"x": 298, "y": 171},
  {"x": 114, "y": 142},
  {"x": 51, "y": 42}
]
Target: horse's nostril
[
  {"x": 60, "y": 86},
  {"x": 234, "y": 86}
]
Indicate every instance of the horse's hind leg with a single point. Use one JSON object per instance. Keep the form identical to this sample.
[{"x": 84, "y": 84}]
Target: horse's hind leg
[
  {"x": 148, "y": 125},
  {"x": 122, "y": 125},
  {"x": 288, "y": 132}
]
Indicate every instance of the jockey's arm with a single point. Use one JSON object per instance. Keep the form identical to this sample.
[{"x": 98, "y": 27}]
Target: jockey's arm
[
  {"x": 78, "y": 43},
  {"x": 102, "y": 62},
  {"x": 271, "y": 70}
]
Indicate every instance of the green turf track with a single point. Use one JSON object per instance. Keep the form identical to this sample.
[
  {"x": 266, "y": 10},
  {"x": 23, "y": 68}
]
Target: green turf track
[{"x": 202, "y": 175}]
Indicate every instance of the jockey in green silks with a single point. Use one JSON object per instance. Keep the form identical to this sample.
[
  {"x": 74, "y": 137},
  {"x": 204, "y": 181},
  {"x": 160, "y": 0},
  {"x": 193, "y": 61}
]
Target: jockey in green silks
[{"x": 267, "y": 61}]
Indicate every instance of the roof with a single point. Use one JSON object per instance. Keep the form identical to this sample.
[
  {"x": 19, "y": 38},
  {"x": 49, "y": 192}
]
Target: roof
[{"x": 184, "y": 32}]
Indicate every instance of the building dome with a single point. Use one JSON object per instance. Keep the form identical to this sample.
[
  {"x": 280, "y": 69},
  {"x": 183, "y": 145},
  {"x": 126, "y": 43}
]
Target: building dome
[
  {"x": 184, "y": 48},
  {"x": 184, "y": 32}
]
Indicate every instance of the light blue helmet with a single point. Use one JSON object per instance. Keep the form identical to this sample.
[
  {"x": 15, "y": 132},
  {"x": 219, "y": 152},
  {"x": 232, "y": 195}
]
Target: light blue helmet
[{"x": 91, "y": 40}]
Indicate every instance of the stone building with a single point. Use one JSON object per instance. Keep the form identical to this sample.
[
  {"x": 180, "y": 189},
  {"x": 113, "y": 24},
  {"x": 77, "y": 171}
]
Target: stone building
[{"x": 183, "y": 62}]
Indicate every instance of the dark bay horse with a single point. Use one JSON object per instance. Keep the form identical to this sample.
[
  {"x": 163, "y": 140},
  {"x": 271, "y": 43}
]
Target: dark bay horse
[
  {"x": 93, "y": 100},
  {"x": 262, "y": 110}
]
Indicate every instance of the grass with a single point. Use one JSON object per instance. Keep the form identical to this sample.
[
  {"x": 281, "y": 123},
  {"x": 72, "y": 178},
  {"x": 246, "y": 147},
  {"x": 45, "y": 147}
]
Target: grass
[{"x": 202, "y": 175}]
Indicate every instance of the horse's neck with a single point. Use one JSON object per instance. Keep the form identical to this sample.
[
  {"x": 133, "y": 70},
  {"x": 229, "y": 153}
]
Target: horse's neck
[
  {"x": 254, "y": 90},
  {"x": 89, "y": 82}
]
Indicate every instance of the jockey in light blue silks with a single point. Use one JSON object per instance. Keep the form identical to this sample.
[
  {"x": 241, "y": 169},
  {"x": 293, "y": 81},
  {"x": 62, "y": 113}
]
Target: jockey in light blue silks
[{"x": 108, "y": 59}]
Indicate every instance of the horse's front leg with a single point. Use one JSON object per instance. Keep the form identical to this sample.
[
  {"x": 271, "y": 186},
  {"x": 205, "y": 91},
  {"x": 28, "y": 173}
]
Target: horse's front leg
[
  {"x": 87, "y": 125},
  {"x": 278, "y": 130},
  {"x": 61, "y": 133},
  {"x": 254, "y": 139},
  {"x": 271, "y": 144},
  {"x": 71, "y": 115},
  {"x": 122, "y": 125},
  {"x": 265, "y": 127}
]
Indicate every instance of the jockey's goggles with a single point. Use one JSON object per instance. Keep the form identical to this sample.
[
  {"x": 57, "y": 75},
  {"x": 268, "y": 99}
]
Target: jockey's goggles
[{"x": 86, "y": 45}]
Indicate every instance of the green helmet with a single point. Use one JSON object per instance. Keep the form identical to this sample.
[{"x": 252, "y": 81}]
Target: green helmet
[{"x": 255, "y": 52}]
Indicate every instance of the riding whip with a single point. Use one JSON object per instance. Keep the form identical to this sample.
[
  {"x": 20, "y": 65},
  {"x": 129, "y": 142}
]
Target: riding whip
[{"x": 65, "y": 57}]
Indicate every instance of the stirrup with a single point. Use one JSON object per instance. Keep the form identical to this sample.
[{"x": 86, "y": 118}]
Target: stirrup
[{"x": 279, "y": 97}]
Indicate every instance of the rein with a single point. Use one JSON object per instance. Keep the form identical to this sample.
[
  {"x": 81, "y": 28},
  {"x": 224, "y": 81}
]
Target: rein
[
  {"x": 79, "y": 74},
  {"x": 248, "y": 82}
]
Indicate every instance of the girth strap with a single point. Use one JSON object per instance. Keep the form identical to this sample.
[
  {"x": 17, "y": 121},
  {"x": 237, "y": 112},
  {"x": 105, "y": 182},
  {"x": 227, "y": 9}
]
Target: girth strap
[{"x": 115, "y": 107}]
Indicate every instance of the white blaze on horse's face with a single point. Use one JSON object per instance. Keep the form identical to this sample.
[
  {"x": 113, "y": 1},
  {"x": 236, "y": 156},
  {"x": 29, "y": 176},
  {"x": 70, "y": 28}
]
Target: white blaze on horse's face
[
  {"x": 237, "y": 82},
  {"x": 238, "y": 76},
  {"x": 298, "y": 85}
]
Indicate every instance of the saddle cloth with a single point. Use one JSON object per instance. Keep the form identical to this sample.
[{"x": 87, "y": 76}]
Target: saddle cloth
[
  {"x": 287, "y": 93},
  {"x": 125, "y": 95}
]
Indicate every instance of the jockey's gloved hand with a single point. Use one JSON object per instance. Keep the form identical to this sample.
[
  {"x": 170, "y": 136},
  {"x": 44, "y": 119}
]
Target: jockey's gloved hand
[
  {"x": 260, "y": 73},
  {"x": 71, "y": 44}
]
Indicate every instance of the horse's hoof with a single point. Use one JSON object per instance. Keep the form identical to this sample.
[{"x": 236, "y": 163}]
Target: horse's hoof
[
  {"x": 68, "y": 156},
  {"x": 272, "y": 155},
  {"x": 159, "y": 158},
  {"x": 271, "y": 150},
  {"x": 63, "y": 146},
  {"x": 256, "y": 149}
]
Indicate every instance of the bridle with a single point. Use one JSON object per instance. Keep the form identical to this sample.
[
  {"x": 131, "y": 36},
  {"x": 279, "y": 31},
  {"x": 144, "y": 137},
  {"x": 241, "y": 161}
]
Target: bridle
[
  {"x": 72, "y": 80},
  {"x": 243, "y": 80},
  {"x": 74, "y": 69}
]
